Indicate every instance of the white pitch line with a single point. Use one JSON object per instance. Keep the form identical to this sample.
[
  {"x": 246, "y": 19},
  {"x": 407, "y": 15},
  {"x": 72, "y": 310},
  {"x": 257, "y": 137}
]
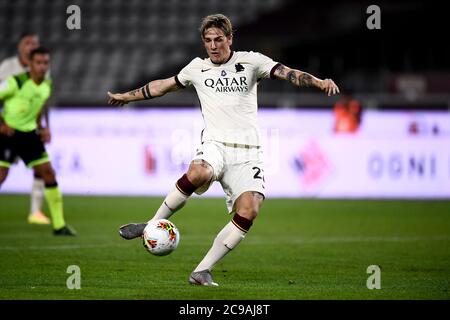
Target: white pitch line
[
  {"x": 298, "y": 240},
  {"x": 370, "y": 239},
  {"x": 257, "y": 240},
  {"x": 60, "y": 247}
]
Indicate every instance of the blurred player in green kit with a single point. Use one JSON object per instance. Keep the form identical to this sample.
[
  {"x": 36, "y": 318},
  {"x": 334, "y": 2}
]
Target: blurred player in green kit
[
  {"x": 13, "y": 65},
  {"x": 22, "y": 134}
]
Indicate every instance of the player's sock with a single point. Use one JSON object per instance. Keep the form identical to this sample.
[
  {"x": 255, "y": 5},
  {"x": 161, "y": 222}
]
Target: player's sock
[
  {"x": 176, "y": 199},
  {"x": 37, "y": 194},
  {"x": 227, "y": 239},
  {"x": 55, "y": 203}
]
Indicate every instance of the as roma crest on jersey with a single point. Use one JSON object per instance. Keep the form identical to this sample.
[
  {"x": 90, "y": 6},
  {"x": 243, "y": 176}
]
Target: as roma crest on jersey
[{"x": 239, "y": 67}]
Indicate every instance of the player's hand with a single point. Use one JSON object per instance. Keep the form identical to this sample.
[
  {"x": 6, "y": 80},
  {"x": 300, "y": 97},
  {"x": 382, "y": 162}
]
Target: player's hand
[
  {"x": 117, "y": 99},
  {"x": 45, "y": 134},
  {"x": 329, "y": 87},
  {"x": 6, "y": 130}
]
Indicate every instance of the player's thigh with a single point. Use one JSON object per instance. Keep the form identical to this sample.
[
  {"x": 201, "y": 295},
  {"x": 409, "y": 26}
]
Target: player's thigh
[
  {"x": 46, "y": 172},
  {"x": 241, "y": 178},
  {"x": 208, "y": 164},
  {"x": 32, "y": 151}
]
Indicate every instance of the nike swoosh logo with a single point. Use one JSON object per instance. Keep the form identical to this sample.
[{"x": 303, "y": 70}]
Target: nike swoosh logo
[{"x": 203, "y": 70}]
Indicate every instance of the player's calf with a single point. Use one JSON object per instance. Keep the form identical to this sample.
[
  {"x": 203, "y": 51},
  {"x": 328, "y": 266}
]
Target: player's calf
[{"x": 177, "y": 198}]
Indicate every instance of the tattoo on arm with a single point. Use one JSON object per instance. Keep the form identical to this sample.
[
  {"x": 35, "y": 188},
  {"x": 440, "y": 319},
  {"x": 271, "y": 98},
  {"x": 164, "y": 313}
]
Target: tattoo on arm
[
  {"x": 296, "y": 77},
  {"x": 146, "y": 91},
  {"x": 305, "y": 80},
  {"x": 280, "y": 70},
  {"x": 133, "y": 92},
  {"x": 291, "y": 77}
]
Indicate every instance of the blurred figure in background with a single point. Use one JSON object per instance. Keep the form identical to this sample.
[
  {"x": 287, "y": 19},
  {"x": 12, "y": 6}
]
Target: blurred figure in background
[
  {"x": 347, "y": 114},
  {"x": 12, "y": 66},
  {"x": 23, "y": 135}
]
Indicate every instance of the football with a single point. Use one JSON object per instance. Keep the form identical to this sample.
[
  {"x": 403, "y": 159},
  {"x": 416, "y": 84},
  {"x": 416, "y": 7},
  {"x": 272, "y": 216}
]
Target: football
[{"x": 160, "y": 237}]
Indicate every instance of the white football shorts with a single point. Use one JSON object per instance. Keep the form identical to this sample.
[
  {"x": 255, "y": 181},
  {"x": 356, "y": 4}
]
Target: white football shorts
[{"x": 238, "y": 169}]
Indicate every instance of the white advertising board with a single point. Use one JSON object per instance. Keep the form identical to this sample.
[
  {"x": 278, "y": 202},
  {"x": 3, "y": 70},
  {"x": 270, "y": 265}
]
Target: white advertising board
[{"x": 143, "y": 152}]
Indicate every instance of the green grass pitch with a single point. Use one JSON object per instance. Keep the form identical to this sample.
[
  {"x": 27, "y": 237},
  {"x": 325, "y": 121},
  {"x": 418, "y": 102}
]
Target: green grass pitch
[{"x": 297, "y": 249}]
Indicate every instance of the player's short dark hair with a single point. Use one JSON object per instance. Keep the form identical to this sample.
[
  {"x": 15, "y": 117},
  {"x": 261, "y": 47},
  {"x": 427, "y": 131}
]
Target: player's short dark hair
[
  {"x": 27, "y": 34},
  {"x": 39, "y": 50},
  {"x": 219, "y": 21}
]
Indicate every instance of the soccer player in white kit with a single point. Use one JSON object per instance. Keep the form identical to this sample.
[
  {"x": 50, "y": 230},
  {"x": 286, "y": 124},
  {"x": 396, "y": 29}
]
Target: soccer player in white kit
[{"x": 230, "y": 150}]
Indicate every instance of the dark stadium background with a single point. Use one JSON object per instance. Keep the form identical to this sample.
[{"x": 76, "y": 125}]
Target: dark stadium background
[{"x": 124, "y": 44}]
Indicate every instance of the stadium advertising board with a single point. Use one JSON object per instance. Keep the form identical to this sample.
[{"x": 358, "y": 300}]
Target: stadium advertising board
[{"x": 143, "y": 152}]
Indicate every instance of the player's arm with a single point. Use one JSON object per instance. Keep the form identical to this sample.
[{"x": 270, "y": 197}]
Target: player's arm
[
  {"x": 5, "y": 129},
  {"x": 304, "y": 79},
  {"x": 8, "y": 88},
  {"x": 153, "y": 89},
  {"x": 43, "y": 124},
  {"x": 43, "y": 119}
]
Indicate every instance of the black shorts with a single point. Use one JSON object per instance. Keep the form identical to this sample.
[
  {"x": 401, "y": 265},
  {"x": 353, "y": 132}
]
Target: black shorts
[{"x": 27, "y": 145}]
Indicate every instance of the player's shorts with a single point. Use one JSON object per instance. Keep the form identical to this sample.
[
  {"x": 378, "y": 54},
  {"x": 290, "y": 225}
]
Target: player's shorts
[
  {"x": 238, "y": 169},
  {"x": 26, "y": 145}
]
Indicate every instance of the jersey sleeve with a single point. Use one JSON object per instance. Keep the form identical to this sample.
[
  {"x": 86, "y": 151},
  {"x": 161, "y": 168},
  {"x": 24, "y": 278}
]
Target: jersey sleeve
[
  {"x": 265, "y": 66},
  {"x": 185, "y": 77},
  {"x": 8, "y": 87},
  {"x": 3, "y": 71}
]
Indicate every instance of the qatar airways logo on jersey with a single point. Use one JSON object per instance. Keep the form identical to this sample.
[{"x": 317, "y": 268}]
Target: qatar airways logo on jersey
[{"x": 227, "y": 84}]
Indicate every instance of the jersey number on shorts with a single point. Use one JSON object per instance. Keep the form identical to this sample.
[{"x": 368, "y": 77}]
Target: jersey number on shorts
[{"x": 257, "y": 174}]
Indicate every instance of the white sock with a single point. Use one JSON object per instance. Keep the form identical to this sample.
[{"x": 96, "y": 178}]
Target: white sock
[
  {"x": 37, "y": 195},
  {"x": 228, "y": 238},
  {"x": 174, "y": 201}
]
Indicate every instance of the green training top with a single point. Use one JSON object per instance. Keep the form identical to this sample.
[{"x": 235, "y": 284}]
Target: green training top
[{"x": 23, "y": 100}]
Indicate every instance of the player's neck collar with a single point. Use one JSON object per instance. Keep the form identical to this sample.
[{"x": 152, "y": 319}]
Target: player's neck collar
[{"x": 229, "y": 58}]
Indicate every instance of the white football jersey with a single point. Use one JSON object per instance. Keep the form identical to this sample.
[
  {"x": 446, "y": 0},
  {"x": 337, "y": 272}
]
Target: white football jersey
[
  {"x": 228, "y": 95},
  {"x": 12, "y": 66}
]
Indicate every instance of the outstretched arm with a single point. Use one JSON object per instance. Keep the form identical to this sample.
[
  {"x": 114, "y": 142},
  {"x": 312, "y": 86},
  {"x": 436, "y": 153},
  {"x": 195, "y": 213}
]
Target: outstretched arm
[
  {"x": 153, "y": 89},
  {"x": 304, "y": 79}
]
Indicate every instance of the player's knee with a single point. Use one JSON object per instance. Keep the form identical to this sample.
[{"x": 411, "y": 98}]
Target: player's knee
[
  {"x": 47, "y": 174},
  {"x": 248, "y": 212},
  {"x": 50, "y": 177},
  {"x": 248, "y": 205},
  {"x": 199, "y": 174}
]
